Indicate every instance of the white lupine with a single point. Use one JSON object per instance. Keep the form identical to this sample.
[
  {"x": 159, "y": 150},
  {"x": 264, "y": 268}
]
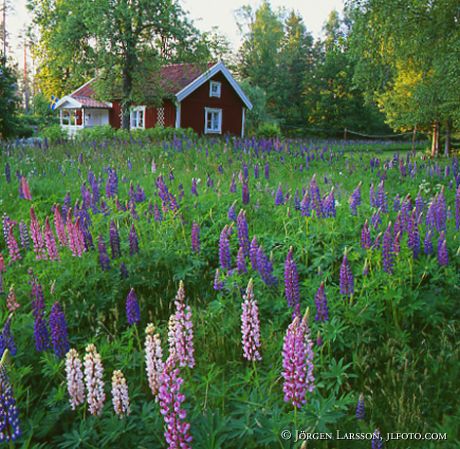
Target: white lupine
[
  {"x": 153, "y": 358},
  {"x": 120, "y": 396},
  {"x": 94, "y": 373},
  {"x": 75, "y": 387}
]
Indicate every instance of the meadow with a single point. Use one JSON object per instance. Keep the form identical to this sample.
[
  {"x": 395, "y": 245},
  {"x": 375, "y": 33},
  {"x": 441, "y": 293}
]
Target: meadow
[{"x": 320, "y": 294}]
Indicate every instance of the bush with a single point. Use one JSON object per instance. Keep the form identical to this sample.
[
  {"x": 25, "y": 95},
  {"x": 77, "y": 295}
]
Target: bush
[
  {"x": 53, "y": 133},
  {"x": 268, "y": 131},
  {"x": 97, "y": 134}
]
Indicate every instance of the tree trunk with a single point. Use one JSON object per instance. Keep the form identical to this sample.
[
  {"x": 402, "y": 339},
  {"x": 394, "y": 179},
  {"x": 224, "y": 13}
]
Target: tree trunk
[
  {"x": 447, "y": 143},
  {"x": 435, "y": 140}
]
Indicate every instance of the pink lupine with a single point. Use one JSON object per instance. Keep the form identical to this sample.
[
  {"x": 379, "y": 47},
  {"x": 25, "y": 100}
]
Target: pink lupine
[
  {"x": 120, "y": 395},
  {"x": 50, "y": 241},
  {"x": 180, "y": 333},
  {"x": 11, "y": 301},
  {"x": 177, "y": 432},
  {"x": 153, "y": 358},
  {"x": 13, "y": 247},
  {"x": 297, "y": 362},
  {"x": 94, "y": 373},
  {"x": 37, "y": 237},
  {"x": 250, "y": 325},
  {"x": 59, "y": 226},
  {"x": 74, "y": 374}
]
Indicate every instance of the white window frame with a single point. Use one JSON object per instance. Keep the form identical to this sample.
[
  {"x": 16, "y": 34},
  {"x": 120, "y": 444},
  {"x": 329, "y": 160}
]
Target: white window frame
[
  {"x": 215, "y": 92},
  {"x": 134, "y": 117},
  {"x": 217, "y": 130}
]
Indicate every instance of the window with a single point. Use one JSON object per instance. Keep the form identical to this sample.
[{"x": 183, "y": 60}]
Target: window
[
  {"x": 212, "y": 121},
  {"x": 214, "y": 89},
  {"x": 137, "y": 117}
]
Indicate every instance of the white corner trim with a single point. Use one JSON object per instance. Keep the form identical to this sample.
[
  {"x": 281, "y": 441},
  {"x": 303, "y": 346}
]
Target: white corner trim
[
  {"x": 68, "y": 99},
  {"x": 243, "y": 119},
  {"x": 212, "y": 131},
  {"x": 178, "y": 113},
  {"x": 206, "y": 76}
]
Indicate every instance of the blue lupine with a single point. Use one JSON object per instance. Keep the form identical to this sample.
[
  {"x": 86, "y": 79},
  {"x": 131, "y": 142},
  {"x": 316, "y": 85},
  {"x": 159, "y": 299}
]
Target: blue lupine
[
  {"x": 413, "y": 241},
  {"x": 104, "y": 260},
  {"x": 245, "y": 193},
  {"x": 387, "y": 250},
  {"x": 291, "y": 282},
  {"x": 231, "y": 214},
  {"x": 114, "y": 240},
  {"x": 9, "y": 414},
  {"x": 133, "y": 313},
  {"x": 133, "y": 241},
  {"x": 365, "y": 236},
  {"x": 427, "y": 242},
  {"x": 243, "y": 233},
  {"x": 58, "y": 327},
  {"x": 265, "y": 268},
  {"x": 305, "y": 205},
  {"x": 360, "y": 408},
  {"x": 253, "y": 248},
  {"x": 322, "y": 310},
  {"x": 241, "y": 261},
  {"x": 279, "y": 197},
  {"x": 224, "y": 249},
  {"x": 346, "y": 278},
  {"x": 7, "y": 339},
  {"x": 355, "y": 199}
]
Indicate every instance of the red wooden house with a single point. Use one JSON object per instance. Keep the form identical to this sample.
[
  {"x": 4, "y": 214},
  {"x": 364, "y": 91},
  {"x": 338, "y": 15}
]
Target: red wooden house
[{"x": 208, "y": 101}]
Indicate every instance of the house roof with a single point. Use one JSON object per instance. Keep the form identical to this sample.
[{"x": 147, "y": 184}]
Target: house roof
[{"x": 177, "y": 80}]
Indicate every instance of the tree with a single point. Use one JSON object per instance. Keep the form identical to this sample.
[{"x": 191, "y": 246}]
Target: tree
[
  {"x": 8, "y": 100},
  {"x": 407, "y": 59}
]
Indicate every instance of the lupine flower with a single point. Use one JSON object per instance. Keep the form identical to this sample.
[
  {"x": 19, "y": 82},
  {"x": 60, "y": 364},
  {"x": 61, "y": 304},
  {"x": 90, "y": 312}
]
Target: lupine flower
[
  {"x": 365, "y": 236},
  {"x": 297, "y": 362},
  {"x": 177, "y": 433},
  {"x": 366, "y": 268},
  {"x": 241, "y": 261},
  {"x": 382, "y": 198},
  {"x": 377, "y": 441},
  {"x": 231, "y": 214},
  {"x": 50, "y": 241},
  {"x": 360, "y": 408},
  {"x": 265, "y": 268},
  {"x": 59, "y": 226},
  {"x": 114, "y": 240},
  {"x": 133, "y": 313},
  {"x": 419, "y": 204},
  {"x": 103, "y": 256},
  {"x": 133, "y": 241},
  {"x": 196, "y": 238},
  {"x": 11, "y": 301},
  {"x": 427, "y": 243},
  {"x": 120, "y": 396},
  {"x": 41, "y": 333},
  {"x": 74, "y": 375},
  {"x": 253, "y": 248},
  {"x": 37, "y": 237},
  {"x": 25, "y": 189},
  {"x": 153, "y": 358},
  {"x": 250, "y": 325},
  {"x": 7, "y": 339},
  {"x": 180, "y": 332},
  {"x": 218, "y": 284},
  {"x": 346, "y": 278},
  {"x": 329, "y": 205},
  {"x": 194, "y": 189},
  {"x": 12, "y": 244},
  {"x": 123, "y": 271},
  {"x": 267, "y": 170},
  {"x": 291, "y": 282},
  {"x": 355, "y": 199},
  {"x": 224, "y": 249},
  {"x": 376, "y": 219},
  {"x": 8, "y": 172},
  {"x": 58, "y": 328},
  {"x": 24, "y": 235},
  {"x": 397, "y": 203},
  {"x": 316, "y": 203},
  {"x": 322, "y": 310},
  {"x": 457, "y": 208},
  {"x": 245, "y": 196},
  {"x": 243, "y": 233},
  {"x": 9, "y": 414},
  {"x": 279, "y": 197},
  {"x": 443, "y": 255},
  {"x": 94, "y": 372},
  {"x": 413, "y": 241},
  {"x": 233, "y": 184},
  {"x": 387, "y": 250},
  {"x": 305, "y": 205},
  {"x": 372, "y": 196}
]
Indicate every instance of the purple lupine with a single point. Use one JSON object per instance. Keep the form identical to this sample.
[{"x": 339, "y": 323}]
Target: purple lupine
[
  {"x": 419, "y": 204},
  {"x": 194, "y": 189},
  {"x": 114, "y": 240},
  {"x": 372, "y": 196},
  {"x": 360, "y": 408},
  {"x": 376, "y": 219},
  {"x": 279, "y": 197},
  {"x": 329, "y": 205},
  {"x": 322, "y": 310},
  {"x": 7, "y": 339},
  {"x": 243, "y": 233},
  {"x": 253, "y": 248},
  {"x": 427, "y": 242},
  {"x": 396, "y": 242},
  {"x": 346, "y": 277},
  {"x": 241, "y": 262},
  {"x": 180, "y": 331},
  {"x": 133, "y": 312},
  {"x": 305, "y": 205},
  {"x": 58, "y": 327},
  {"x": 231, "y": 214},
  {"x": 316, "y": 203},
  {"x": 41, "y": 333},
  {"x": 397, "y": 203},
  {"x": 387, "y": 250},
  {"x": 297, "y": 363},
  {"x": 123, "y": 271},
  {"x": 377, "y": 242},
  {"x": 265, "y": 268},
  {"x": 355, "y": 199},
  {"x": 133, "y": 241},
  {"x": 224, "y": 249},
  {"x": 177, "y": 432},
  {"x": 382, "y": 203},
  {"x": 256, "y": 171},
  {"x": 157, "y": 214},
  {"x": 104, "y": 260},
  {"x": 443, "y": 254},
  {"x": 365, "y": 236},
  {"x": 413, "y": 241},
  {"x": 250, "y": 325},
  {"x": 267, "y": 170},
  {"x": 218, "y": 284},
  {"x": 245, "y": 196},
  {"x": 406, "y": 207},
  {"x": 296, "y": 200},
  {"x": 8, "y": 172},
  {"x": 9, "y": 414},
  {"x": 196, "y": 238},
  {"x": 233, "y": 184},
  {"x": 440, "y": 211},
  {"x": 457, "y": 208},
  {"x": 24, "y": 235},
  {"x": 377, "y": 441},
  {"x": 291, "y": 282}
]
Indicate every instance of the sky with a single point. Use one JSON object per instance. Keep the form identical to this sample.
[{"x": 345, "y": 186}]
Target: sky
[{"x": 205, "y": 14}]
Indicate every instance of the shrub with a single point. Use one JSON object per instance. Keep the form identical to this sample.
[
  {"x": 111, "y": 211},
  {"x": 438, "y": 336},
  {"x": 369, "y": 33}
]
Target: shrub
[
  {"x": 53, "y": 133},
  {"x": 97, "y": 133},
  {"x": 268, "y": 131}
]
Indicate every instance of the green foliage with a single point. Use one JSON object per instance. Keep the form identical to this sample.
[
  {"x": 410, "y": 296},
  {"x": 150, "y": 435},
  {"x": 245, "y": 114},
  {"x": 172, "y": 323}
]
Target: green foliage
[
  {"x": 8, "y": 100},
  {"x": 53, "y": 133},
  {"x": 268, "y": 131}
]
